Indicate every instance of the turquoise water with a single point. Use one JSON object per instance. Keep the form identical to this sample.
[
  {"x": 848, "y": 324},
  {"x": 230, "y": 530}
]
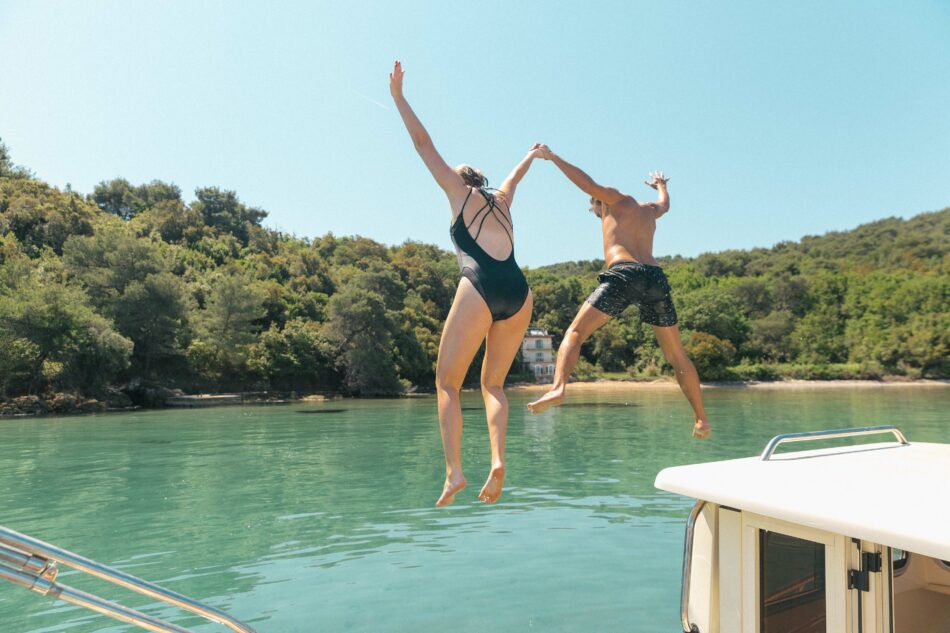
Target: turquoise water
[{"x": 319, "y": 517}]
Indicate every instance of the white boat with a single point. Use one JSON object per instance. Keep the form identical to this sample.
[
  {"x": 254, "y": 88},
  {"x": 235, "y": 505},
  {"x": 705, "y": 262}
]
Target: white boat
[{"x": 838, "y": 540}]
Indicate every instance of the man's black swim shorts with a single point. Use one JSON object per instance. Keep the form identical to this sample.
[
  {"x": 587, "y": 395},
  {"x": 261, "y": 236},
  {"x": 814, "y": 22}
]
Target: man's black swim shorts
[{"x": 628, "y": 283}]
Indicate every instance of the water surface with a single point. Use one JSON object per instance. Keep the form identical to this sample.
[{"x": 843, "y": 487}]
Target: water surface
[{"x": 319, "y": 517}]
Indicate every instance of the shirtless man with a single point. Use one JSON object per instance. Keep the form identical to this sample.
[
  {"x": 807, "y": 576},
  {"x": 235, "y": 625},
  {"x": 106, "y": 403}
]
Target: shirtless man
[{"x": 632, "y": 277}]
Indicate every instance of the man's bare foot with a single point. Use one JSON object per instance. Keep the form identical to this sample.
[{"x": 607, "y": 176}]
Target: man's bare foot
[
  {"x": 449, "y": 491},
  {"x": 701, "y": 429},
  {"x": 550, "y": 399},
  {"x": 491, "y": 491}
]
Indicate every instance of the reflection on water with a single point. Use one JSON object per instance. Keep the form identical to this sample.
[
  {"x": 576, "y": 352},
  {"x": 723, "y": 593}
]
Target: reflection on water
[{"x": 325, "y": 522}]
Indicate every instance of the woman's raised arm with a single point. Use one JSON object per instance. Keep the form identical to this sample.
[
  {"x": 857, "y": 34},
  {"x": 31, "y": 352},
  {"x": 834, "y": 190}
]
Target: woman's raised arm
[
  {"x": 451, "y": 182},
  {"x": 511, "y": 182}
]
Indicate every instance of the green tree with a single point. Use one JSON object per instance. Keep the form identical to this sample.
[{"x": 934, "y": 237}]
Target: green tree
[
  {"x": 41, "y": 216},
  {"x": 360, "y": 328},
  {"x": 715, "y": 312},
  {"x": 770, "y": 337},
  {"x": 227, "y": 327},
  {"x": 753, "y": 295},
  {"x": 819, "y": 337},
  {"x": 53, "y": 337},
  {"x": 108, "y": 261},
  {"x": 7, "y": 168},
  {"x": 153, "y": 313},
  {"x": 711, "y": 355},
  {"x": 615, "y": 345},
  {"x": 170, "y": 220},
  {"x": 416, "y": 341},
  {"x": 296, "y": 357},
  {"x": 119, "y": 197},
  {"x": 223, "y": 210},
  {"x": 429, "y": 273}
]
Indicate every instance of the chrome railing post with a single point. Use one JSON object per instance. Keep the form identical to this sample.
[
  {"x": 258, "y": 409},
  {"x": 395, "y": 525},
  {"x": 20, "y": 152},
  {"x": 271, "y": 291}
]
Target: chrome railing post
[{"x": 688, "y": 567}]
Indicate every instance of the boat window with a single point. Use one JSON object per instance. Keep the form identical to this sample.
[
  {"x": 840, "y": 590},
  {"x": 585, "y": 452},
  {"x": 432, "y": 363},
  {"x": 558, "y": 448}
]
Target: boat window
[
  {"x": 899, "y": 560},
  {"x": 792, "y": 584}
]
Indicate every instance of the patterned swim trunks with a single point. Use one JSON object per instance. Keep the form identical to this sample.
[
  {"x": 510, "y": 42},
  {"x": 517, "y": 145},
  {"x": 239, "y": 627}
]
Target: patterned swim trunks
[{"x": 628, "y": 283}]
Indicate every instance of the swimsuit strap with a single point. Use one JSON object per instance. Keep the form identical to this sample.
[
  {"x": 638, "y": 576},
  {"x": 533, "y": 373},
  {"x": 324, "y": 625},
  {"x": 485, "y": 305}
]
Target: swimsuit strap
[
  {"x": 462, "y": 210},
  {"x": 491, "y": 206},
  {"x": 506, "y": 216}
]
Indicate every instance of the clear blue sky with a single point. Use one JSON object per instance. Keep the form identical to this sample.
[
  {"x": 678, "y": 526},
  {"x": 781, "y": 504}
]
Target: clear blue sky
[{"x": 775, "y": 120}]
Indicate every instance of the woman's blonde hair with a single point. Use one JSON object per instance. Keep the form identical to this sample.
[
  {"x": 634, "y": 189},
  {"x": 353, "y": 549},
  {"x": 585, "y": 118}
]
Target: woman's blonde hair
[{"x": 472, "y": 177}]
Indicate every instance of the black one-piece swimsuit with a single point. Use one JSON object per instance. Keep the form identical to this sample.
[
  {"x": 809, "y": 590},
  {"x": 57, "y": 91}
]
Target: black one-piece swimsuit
[{"x": 499, "y": 281}]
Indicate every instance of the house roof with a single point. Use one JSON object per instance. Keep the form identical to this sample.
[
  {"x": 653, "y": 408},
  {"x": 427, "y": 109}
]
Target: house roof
[
  {"x": 891, "y": 494},
  {"x": 536, "y": 332}
]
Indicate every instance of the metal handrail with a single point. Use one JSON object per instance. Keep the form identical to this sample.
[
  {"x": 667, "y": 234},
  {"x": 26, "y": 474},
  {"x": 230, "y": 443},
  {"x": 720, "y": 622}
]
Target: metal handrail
[
  {"x": 830, "y": 435},
  {"x": 32, "y": 563},
  {"x": 688, "y": 568}
]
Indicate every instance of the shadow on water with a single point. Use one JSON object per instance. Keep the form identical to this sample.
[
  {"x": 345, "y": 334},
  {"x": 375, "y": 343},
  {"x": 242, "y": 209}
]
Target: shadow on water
[
  {"x": 579, "y": 405},
  {"x": 598, "y": 405}
]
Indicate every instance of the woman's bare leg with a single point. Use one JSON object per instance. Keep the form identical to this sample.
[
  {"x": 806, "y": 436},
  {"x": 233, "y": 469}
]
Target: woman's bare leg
[
  {"x": 501, "y": 347},
  {"x": 686, "y": 376},
  {"x": 586, "y": 322},
  {"x": 465, "y": 327}
]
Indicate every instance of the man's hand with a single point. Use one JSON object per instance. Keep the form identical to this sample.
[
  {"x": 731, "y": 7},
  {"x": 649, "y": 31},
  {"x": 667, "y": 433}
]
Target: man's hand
[
  {"x": 656, "y": 180},
  {"x": 395, "y": 80},
  {"x": 535, "y": 151},
  {"x": 546, "y": 152}
]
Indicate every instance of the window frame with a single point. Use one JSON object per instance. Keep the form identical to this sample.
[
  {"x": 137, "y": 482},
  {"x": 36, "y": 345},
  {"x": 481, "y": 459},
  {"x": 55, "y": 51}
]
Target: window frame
[{"x": 837, "y": 605}]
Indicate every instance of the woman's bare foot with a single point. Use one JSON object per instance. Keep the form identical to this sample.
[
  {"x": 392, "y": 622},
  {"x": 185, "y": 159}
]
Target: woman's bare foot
[
  {"x": 701, "y": 429},
  {"x": 449, "y": 491},
  {"x": 491, "y": 491},
  {"x": 550, "y": 399}
]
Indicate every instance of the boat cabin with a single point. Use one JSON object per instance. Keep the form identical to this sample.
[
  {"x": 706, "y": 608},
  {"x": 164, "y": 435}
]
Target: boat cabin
[{"x": 851, "y": 539}]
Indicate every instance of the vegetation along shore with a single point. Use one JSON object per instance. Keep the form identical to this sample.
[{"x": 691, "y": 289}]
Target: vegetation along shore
[{"x": 127, "y": 294}]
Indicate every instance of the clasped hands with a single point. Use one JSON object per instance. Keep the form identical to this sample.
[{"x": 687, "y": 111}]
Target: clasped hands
[{"x": 655, "y": 179}]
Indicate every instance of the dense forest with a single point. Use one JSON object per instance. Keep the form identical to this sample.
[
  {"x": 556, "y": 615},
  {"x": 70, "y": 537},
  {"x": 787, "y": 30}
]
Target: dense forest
[{"x": 131, "y": 291}]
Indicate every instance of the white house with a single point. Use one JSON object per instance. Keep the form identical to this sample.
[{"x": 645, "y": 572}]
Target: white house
[{"x": 537, "y": 350}]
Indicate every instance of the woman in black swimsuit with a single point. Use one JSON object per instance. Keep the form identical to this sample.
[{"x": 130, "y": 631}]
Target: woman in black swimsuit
[{"x": 492, "y": 303}]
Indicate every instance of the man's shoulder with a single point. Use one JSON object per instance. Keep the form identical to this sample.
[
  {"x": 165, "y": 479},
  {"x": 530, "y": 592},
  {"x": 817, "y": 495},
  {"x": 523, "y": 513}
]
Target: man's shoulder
[{"x": 626, "y": 202}]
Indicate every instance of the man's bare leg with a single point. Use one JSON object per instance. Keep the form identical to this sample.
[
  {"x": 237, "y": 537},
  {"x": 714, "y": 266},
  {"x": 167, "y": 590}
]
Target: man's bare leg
[
  {"x": 686, "y": 376},
  {"x": 465, "y": 327},
  {"x": 586, "y": 322},
  {"x": 501, "y": 347}
]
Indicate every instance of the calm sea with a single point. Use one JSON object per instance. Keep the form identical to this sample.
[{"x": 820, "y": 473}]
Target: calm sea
[{"x": 319, "y": 517}]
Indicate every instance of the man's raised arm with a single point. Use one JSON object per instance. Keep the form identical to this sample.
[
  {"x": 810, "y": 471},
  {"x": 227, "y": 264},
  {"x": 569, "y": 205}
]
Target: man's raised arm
[
  {"x": 658, "y": 181},
  {"x": 607, "y": 195}
]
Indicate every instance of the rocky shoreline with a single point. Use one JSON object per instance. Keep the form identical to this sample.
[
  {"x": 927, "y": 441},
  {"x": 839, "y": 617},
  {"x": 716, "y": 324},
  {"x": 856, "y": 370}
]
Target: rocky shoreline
[
  {"x": 62, "y": 404},
  {"x": 151, "y": 398}
]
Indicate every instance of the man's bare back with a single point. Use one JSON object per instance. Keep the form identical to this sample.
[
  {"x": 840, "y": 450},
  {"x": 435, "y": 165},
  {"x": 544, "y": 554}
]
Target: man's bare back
[
  {"x": 628, "y": 231},
  {"x": 628, "y": 226}
]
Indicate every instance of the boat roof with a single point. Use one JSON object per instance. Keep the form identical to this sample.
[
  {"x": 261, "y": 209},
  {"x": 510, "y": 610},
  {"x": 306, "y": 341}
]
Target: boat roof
[{"x": 892, "y": 494}]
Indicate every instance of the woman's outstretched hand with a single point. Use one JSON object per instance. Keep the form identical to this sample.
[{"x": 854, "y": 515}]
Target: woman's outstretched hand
[
  {"x": 395, "y": 80},
  {"x": 545, "y": 151}
]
